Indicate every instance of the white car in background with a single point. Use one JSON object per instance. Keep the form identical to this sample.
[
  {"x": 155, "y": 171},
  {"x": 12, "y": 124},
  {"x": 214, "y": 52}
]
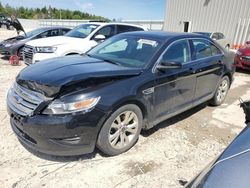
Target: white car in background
[
  {"x": 77, "y": 41},
  {"x": 218, "y": 37}
]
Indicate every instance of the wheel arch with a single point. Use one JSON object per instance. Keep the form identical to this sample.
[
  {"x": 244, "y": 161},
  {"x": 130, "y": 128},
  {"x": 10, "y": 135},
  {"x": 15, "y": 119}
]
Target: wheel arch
[
  {"x": 136, "y": 102},
  {"x": 229, "y": 76}
]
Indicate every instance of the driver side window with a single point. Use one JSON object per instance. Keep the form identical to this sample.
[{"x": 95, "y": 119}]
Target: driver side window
[
  {"x": 107, "y": 31},
  {"x": 43, "y": 35},
  {"x": 177, "y": 52}
]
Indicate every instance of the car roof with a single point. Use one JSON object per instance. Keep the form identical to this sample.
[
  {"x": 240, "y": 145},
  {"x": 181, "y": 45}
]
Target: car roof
[
  {"x": 115, "y": 23},
  {"x": 162, "y": 35},
  {"x": 54, "y": 27}
]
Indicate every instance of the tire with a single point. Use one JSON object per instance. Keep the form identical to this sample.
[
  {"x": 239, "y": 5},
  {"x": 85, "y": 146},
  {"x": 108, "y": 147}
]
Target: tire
[
  {"x": 117, "y": 128},
  {"x": 221, "y": 91}
]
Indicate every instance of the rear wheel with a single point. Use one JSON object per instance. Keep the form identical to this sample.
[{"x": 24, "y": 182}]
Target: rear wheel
[
  {"x": 121, "y": 130},
  {"x": 221, "y": 91}
]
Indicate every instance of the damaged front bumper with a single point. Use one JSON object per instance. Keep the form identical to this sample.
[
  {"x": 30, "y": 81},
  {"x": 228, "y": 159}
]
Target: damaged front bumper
[{"x": 58, "y": 135}]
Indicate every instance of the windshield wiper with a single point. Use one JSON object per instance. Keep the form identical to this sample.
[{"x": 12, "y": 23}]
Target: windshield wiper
[{"x": 111, "y": 61}]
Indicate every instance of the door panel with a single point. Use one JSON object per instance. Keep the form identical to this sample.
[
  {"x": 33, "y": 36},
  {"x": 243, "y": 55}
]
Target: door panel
[
  {"x": 174, "y": 91},
  {"x": 174, "y": 88},
  {"x": 208, "y": 69}
]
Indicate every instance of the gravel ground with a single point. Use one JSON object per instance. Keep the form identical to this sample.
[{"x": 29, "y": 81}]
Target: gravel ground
[{"x": 174, "y": 150}]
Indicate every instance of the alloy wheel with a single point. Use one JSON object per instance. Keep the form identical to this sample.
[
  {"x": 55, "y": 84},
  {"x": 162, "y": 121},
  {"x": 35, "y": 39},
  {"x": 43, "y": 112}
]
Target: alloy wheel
[
  {"x": 222, "y": 90},
  {"x": 123, "y": 129}
]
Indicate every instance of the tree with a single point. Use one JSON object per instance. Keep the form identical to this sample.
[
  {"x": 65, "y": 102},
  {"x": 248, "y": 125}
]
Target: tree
[{"x": 45, "y": 13}]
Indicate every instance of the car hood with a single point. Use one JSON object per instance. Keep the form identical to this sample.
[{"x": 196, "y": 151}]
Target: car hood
[
  {"x": 17, "y": 25},
  {"x": 53, "y": 41},
  {"x": 245, "y": 50},
  {"x": 14, "y": 40},
  {"x": 50, "y": 76}
]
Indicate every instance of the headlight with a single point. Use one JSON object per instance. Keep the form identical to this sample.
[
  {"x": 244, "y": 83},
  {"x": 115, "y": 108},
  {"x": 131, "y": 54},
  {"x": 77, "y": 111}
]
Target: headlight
[
  {"x": 59, "y": 107},
  {"x": 46, "y": 49},
  {"x": 238, "y": 53}
]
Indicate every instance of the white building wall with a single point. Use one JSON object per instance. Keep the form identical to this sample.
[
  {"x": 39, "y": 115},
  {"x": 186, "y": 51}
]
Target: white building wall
[{"x": 209, "y": 16}]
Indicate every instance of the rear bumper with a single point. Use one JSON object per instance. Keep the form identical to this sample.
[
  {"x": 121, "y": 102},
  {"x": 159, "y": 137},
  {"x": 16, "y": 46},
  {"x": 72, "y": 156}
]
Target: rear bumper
[{"x": 58, "y": 135}]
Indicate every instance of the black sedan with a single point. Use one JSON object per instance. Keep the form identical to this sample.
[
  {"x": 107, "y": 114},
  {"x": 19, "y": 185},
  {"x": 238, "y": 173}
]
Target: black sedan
[
  {"x": 14, "y": 46},
  {"x": 132, "y": 81}
]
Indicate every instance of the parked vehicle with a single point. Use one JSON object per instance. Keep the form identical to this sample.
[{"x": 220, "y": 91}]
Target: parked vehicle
[
  {"x": 242, "y": 57},
  {"x": 231, "y": 169},
  {"x": 77, "y": 41},
  {"x": 218, "y": 37},
  {"x": 132, "y": 81},
  {"x": 5, "y": 21},
  {"x": 14, "y": 45}
]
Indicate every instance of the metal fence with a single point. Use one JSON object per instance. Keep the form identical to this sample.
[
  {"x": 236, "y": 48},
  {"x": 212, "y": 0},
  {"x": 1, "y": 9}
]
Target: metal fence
[
  {"x": 58, "y": 22},
  {"x": 151, "y": 24}
]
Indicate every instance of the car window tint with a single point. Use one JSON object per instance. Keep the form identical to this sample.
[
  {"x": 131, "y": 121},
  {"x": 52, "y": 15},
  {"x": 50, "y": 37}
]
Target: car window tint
[
  {"x": 125, "y": 28},
  {"x": 128, "y": 51},
  {"x": 107, "y": 31},
  {"x": 215, "y": 50},
  {"x": 53, "y": 33},
  {"x": 202, "y": 48},
  {"x": 221, "y": 36},
  {"x": 118, "y": 46},
  {"x": 64, "y": 31},
  {"x": 177, "y": 52},
  {"x": 215, "y": 36},
  {"x": 43, "y": 35}
]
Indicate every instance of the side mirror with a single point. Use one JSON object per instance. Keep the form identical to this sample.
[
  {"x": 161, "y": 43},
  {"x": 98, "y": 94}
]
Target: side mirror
[
  {"x": 99, "y": 38},
  {"x": 247, "y": 42},
  {"x": 169, "y": 65}
]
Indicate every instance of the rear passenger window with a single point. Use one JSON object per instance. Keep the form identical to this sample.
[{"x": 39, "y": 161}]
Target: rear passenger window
[
  {"x": 53, "y": 33},
  {"x": 204, "y": 49},
  {"x": 177, "y": 52},
  {"x": 64, "y": 31}
]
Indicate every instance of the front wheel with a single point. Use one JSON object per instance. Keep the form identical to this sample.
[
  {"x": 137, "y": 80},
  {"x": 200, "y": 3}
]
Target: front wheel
[
  {"x": 121, "y": 130},
  {"x": 221, "y": 91}
]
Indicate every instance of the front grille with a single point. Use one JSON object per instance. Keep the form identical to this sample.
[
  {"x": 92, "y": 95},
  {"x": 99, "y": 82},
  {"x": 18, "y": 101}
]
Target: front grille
[
  {"x": 246, "y": 58},
  {"x": 28, "y": 52},
  {"x": 22, "y": 100}
]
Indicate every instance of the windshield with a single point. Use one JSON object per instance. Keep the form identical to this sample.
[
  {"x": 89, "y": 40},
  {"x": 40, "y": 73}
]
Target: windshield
[
  {"x": 82, "y": 31},
  {"x": 204, "y": 33},
  {"x": 33, "y": 32},
  {"x": 128, "y": 51}
]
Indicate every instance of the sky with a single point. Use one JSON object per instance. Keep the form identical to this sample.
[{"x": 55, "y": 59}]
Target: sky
[{"x": 112, "y": 9}]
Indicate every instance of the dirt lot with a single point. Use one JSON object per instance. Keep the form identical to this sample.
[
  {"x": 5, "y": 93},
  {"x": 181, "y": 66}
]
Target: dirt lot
[{"x": 174, "y": 150}]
